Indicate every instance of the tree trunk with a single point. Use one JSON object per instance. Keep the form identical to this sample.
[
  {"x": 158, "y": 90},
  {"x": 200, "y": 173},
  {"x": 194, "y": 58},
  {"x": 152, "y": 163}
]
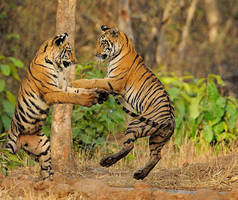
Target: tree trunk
[
  {"x": 170, "y": 9},
  {"x": 212, "y": 14},
  {"x": 124, "y": 23},
  {"x": 125, "y": 19},
  {"x": 186, "y": 28},
  {"x": 61, "y": 133}
]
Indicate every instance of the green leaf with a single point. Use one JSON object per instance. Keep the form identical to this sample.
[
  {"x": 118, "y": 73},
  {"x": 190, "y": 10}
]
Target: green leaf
[
  {"x": 219, "y": 128},
  {"x": 6, "y": 70},
  {"x": 17, "y": 62},
  {"x": 100, "y": 141},
  {"x": 178, "y": 122},
  {"x": 12, "y": 158},
  {"x": 180, "y": 107},
  {"x": 2, "y": 85},
  {"x": 194, "y": 107},
  {"x": 131, "y": 157},
  {"x": 174, "y": 93},
  {"x": 6, "y": 121},
  {"x": 177, "y": 138},
  {"x": 208, "y": 133},
  {"x": 212, "y": 91},
  {"x": 231, "y": 115},
  {"x": 214, "y": 111},
  {"x": 86, "y": 139},
  {"x": 218, "y": 79},
  {"x": 11, "y": 97},
  {"x": 14, "y": 72},
  {"x": 8, "y": 107}
]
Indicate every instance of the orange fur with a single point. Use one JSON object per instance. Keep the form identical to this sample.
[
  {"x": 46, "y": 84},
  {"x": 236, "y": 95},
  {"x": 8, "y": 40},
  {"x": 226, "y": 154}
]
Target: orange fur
[
  {"x": 44, "y": 84},
  {"x": 128, "y": 76}
]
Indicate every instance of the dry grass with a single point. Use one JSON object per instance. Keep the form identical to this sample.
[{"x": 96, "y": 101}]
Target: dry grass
[
  {"x": 186, "y": 170},
  {"x": 183, "y": 169}
]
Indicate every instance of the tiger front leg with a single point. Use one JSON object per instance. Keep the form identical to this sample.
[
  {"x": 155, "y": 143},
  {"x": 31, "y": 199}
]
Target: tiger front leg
[
  {"x": 83, "y": 97},
  {"x": 106, "y": 84},
  {"x": 102, "y": 94}
]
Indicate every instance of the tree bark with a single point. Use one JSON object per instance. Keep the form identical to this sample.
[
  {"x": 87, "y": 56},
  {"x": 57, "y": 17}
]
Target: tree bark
[
  {"x": 124, "y": 20},
  {"x": 170, "y": 9},
  {"x": 212, "y": 14},
  {"x": 61, "y": 133},
  {"x": 186, "y": 28}
]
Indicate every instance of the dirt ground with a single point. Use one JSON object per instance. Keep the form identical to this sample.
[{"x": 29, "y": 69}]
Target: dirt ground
[{"x": 199, "y": 181}]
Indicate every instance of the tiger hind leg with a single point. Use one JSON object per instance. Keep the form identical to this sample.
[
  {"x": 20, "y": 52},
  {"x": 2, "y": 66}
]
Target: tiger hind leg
[
  {"x": 128, "y": 145},
  {"x": 38, "y": 147},
  {"x": 12, "y": 144},
  {"x": 156, "y": 142}
]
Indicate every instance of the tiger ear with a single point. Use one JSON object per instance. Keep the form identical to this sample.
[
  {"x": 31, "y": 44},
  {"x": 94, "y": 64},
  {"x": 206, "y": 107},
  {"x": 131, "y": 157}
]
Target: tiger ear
[{"x": 114, "y": 32}]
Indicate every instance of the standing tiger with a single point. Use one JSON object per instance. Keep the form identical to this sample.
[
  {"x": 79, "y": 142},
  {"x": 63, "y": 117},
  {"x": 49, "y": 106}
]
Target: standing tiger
[
  {"x": 43, "y": 85},
  {"x": 128, "y": 76}
]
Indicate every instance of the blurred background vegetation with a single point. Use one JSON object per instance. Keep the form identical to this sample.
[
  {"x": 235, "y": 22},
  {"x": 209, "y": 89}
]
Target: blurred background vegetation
[{"x": 192, "y": 45}]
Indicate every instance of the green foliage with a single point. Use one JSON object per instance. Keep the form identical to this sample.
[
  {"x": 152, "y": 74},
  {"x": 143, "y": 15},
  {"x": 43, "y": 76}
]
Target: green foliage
[
  {"x": 202, "y": 113},
  {"x": 7, "y": 160},
  {"x": 91, "y": 125},
  {"x": 8, "y": 69}
]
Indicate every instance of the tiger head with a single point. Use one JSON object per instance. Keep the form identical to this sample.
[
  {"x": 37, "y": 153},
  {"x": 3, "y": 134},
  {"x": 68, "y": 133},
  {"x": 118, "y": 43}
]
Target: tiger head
[
  {"x": 110, "y": 44},
  {"x": 57, "y": 51}
]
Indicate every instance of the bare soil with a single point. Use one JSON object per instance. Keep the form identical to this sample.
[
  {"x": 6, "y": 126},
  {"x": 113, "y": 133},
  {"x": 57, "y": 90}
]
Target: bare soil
[{"x": 211, "y": 181}]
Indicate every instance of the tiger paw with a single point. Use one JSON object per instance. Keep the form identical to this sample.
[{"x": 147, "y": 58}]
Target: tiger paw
[
  {"x": 107, "y": 161},
  {"x": 139, "y": 175},
  {"x": 102, "y": 96}
]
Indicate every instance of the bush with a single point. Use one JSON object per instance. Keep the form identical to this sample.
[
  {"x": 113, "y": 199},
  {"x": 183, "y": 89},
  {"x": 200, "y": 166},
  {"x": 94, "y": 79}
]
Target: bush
[
  {"x": 8, "y": 69},
  {"x": 202, "y": 113},
  {"x": 92, "y": 125}
]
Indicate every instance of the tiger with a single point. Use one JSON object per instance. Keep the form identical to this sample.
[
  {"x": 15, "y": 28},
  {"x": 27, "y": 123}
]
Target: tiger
[
  {"x": 45, "y": 84},
  {"x": 128, "y": 76}
]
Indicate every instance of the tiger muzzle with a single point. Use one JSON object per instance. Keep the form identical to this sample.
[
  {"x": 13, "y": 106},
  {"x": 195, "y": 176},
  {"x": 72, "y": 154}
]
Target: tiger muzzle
[{"x": 102, "y": 56}]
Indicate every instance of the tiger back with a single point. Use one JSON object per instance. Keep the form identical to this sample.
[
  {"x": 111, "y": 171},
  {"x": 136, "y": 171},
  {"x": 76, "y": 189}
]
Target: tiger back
[{"x": 128, "y": 77}]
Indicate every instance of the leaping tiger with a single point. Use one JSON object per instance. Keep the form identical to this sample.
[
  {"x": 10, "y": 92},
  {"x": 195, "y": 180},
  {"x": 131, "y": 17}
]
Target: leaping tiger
[
  {"x": 128, "y": 76},
  {"x": 45, "y": 84}
]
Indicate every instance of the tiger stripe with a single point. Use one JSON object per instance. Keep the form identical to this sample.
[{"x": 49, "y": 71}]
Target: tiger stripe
[
  {"x": 128, "y": 77},
  {"x": 41, "y": 88}
]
